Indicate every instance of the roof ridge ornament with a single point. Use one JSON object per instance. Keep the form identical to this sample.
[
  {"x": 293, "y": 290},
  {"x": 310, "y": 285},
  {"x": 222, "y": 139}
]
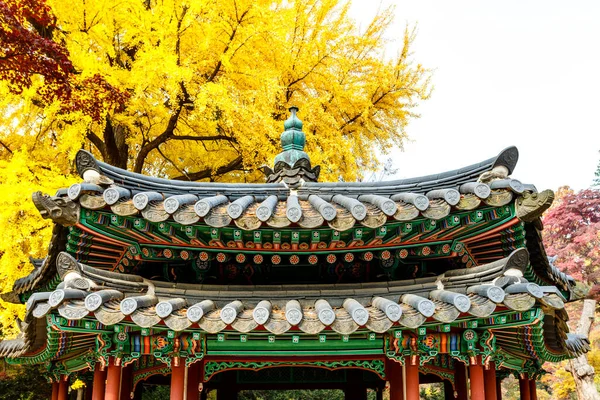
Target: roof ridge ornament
[{"x": 292, "y": 165}]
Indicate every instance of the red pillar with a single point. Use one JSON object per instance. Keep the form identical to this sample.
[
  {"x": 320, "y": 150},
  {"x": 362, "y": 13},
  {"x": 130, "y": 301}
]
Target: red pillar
[
  {"x": 460, "y": 380},
  {"x": 476, "y": 378},
  {"x": 193, "y": 380},
  {"x": 89, "y": 390},
  {"x": 524, "y": 387},
  {"x": 448, "y": 390},
  {"x": 498, "y": 389},
  {"x": 113, "y": 381},
  {"x": 411, "y": 367},
  {"x": 396, "y": 381},
  {"x": 126, "y": 382},
  {"x": 63, "y": 388},
  {"x": 99, "y": 383},
  {"x": 489, "y": 376},
  {"x": 532, "y": 390},
  {"x": 177, "y": 380},
  {"x": 54, "y": 391}
]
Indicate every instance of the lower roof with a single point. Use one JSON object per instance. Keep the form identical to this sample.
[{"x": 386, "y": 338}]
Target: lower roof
[{"x": 111, "y": 298}]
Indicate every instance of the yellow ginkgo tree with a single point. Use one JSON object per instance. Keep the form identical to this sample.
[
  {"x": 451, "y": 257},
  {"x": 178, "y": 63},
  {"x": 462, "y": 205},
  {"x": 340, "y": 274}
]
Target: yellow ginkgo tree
[{"x": 191, "y": 90}]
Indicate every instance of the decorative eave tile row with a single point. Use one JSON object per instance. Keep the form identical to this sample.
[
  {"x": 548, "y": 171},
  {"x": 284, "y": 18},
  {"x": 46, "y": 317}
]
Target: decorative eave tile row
[
  {"x": 250, "y": 212},
  {"x": 339, "y": 205},
  {"x": 343, "y": 308}
]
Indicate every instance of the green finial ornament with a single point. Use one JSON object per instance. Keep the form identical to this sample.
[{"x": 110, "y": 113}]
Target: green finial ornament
[{"x": 292, "y": 141}]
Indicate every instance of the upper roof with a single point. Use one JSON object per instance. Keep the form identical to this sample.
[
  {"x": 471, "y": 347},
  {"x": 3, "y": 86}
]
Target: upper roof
[
  {"x": 309, "y": 204},
  {"x": 292, "y": 194},
  {"x": 139, "y": 183}
]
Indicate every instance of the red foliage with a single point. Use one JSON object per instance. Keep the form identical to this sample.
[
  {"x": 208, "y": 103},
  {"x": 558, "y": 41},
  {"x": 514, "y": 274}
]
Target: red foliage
[
  {"x": 572, "y": 233},
  {"x": 94, "y": 96},
  {"x": 27, "y": 49}
]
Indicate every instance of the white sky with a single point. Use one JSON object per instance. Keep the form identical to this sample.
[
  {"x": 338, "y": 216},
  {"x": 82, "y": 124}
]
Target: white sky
[{"x": 511, "y": 72}]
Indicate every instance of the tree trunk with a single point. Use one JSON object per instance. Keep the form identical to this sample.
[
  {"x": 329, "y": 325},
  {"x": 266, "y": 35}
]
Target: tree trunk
[{"x": 583, "y": 372}]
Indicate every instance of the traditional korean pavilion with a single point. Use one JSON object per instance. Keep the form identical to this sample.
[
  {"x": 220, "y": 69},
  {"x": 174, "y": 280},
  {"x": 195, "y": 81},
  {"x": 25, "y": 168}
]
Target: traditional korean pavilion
[{"x": 295, "y": 283}]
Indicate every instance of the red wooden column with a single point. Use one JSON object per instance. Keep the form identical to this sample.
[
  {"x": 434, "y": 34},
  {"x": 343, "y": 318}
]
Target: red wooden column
[
  {"x": 476, "y": 378},
  {"x": 177, "y": 379},
  {"x": 126, "y": 382},
  {"x": 532, "y": 390},
  {"x": 63, "y": 388},
  {"x": 54, "y": 391},
  {"x": 460, "y": 380},
  {"x": 489, "y": 376},
  {"x": 524, "y": 386},
  {"x": 411, "y": 367},
  {"x": 99, "y": 383},
  {"x": 113, "y": 380},
  {"x": 396, "y": 381},
  {"x": 448, "y": 390},
  {"x": 498, "y": 389},
  {"x": 89, "y": 390},
  {"x": 193, "y": 380}
]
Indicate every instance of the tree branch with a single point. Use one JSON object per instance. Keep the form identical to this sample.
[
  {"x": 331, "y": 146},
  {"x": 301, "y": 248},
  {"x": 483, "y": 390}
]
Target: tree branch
[
  {"x": 6, "y": 147},
  {"x": 115, "y": 144},
  {"x": 203, "y": 138},
  {"x": 170, "y": 161},
  {"x": 239, "y": 21},
  {"x": 233, "y": 165},
  {"x": 154, "y": 143},
  {"x": 587, "y": 317},
  {"x": 96, "y": 141},
  {"x": 311, "y": 69}
]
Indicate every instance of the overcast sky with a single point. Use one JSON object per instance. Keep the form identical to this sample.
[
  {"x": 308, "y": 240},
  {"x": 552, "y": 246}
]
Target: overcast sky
[{"x": 511, "y": 72}]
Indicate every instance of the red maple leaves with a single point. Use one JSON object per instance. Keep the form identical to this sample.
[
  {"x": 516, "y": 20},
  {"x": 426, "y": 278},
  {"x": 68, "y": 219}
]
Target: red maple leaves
[
  {"x": 27, "y": 48},
  {"x": 28, "y": 51},
  {"x": 572, "y": 233}
]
